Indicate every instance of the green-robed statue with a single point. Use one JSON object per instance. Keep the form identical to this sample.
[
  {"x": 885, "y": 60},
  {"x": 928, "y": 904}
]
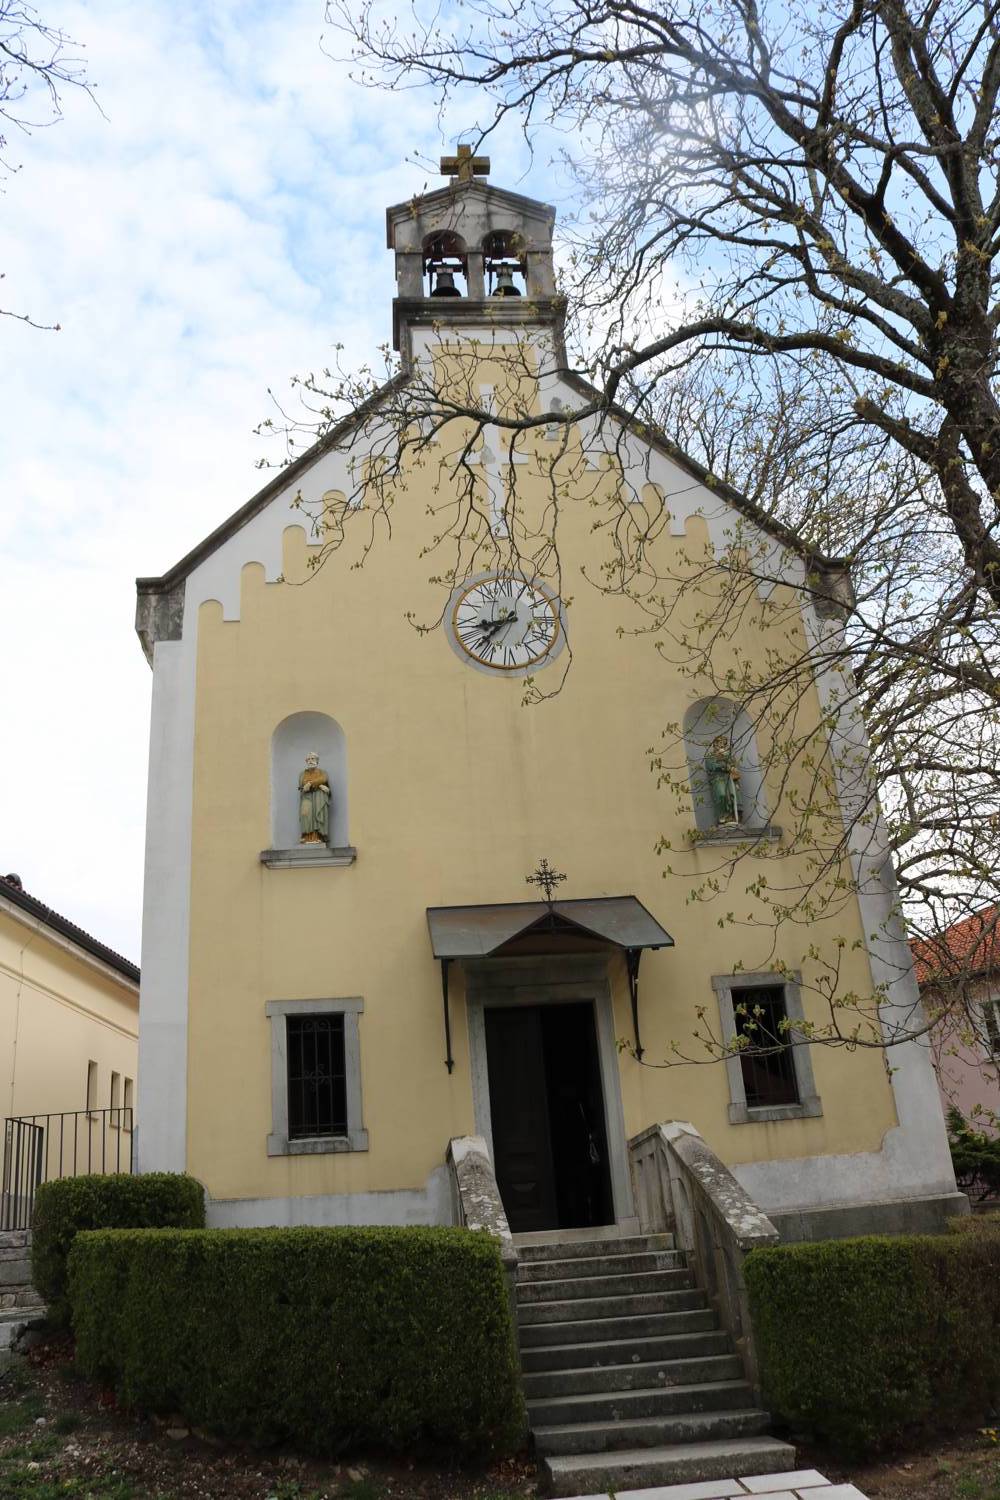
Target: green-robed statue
[
  {"x": 314, "y": 803},
  {"x": 723, "y": 781}
]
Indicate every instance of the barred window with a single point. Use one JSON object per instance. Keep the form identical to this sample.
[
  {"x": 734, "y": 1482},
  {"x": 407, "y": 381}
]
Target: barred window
[
  {"x": 317, "y": 1076},
  {"x": 768, "y": 1066}
]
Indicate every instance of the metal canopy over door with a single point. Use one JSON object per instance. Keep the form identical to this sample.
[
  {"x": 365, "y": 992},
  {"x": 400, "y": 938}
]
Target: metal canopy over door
[{"x": 475, "y": 932}]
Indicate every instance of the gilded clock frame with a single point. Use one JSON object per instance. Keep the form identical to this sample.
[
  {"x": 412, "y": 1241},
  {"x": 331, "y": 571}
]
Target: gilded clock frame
[{"x": 498, "y": 670}]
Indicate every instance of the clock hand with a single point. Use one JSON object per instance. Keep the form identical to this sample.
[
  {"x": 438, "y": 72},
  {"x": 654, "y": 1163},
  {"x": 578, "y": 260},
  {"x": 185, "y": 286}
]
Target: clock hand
[{"x": 490, "y": 628}]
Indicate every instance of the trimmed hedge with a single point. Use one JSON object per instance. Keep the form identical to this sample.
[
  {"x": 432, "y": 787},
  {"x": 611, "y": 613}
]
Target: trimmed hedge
[
  {"x": 104, "y": 1201},
  {"x": 872, "y": 1343},
  {"x": 331, "y": 1337}
]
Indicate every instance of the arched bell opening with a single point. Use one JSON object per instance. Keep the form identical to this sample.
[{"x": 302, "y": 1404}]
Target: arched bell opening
[
  {"x": 505, "y": 264},
  {"x": 446, "y": 266}
]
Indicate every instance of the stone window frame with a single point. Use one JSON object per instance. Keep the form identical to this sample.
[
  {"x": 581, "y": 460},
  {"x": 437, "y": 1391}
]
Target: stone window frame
[
  {"x": 740, "y": 1113},
  {"x": 356, "y": 1137},
  {"x": 991, "y": 1022}
]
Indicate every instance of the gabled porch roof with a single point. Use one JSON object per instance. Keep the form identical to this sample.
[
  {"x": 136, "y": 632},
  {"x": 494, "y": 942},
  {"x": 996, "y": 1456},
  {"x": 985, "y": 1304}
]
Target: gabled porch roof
[
  {"x": 478, "y": 931},
  {"x": 464, "y": 932}
]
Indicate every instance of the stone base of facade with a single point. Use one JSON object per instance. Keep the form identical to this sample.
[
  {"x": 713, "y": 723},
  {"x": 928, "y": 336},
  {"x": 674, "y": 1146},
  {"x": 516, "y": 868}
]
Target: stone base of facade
[
  {"x": 431, "y": 1204},
  {"x": 844, "y": 1221}
]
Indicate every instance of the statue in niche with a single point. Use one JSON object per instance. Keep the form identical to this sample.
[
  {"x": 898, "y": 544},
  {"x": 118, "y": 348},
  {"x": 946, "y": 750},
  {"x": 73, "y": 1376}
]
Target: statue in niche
[
  {"x": 314, "y": 803},
  {"x": 723, "y": 781}
]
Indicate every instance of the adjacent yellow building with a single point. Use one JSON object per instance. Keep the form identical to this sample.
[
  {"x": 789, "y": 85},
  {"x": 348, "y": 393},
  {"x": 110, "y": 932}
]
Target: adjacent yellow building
[
  {"x": 343, "y": 967},
  {"x": 69, "y": 1025}
]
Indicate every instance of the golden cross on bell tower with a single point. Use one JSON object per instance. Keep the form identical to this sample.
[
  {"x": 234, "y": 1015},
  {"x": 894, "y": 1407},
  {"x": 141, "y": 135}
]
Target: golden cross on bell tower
[{"x": 465, "y": 167}]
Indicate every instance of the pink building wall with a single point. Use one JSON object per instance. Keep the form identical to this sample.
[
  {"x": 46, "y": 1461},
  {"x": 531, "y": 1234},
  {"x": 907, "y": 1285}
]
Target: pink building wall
[{"x": 968, "y": 1072}]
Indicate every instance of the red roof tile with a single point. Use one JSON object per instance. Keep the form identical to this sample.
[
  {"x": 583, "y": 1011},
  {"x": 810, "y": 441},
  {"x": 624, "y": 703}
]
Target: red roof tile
[{"x": 969, "y": 947}]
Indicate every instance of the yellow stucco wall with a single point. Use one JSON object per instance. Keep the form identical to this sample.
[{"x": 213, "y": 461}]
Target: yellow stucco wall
[
  {"x": 456, "y": 790},
  {"x": 59, "y": 1012}
]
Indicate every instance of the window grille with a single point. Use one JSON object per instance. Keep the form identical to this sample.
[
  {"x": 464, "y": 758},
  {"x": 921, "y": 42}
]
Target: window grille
[
  {"x": 769, "y": 1066},
  {"x": 317, "y": 1076}
]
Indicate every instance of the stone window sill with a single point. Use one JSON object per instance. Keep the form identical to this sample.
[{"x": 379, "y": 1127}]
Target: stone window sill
[
  {"x": 308, "y": 857},
  {"x": 735, "y": 833},
  {"x": 809, "y": 1109},
  {"x": 317, "y": 1145}
]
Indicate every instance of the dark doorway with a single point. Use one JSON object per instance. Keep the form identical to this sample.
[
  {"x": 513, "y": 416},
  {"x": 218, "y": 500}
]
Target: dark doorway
[{"x": 547, "y": 1113}]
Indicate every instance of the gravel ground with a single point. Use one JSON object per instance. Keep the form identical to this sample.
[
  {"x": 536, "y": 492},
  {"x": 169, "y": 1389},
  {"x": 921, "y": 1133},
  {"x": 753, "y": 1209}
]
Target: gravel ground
[{"x": 61, "y": 1439}]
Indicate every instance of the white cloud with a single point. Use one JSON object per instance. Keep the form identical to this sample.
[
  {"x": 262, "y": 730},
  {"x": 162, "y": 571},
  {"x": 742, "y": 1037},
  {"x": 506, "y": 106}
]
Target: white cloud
[{"x": 218, "y": 228}]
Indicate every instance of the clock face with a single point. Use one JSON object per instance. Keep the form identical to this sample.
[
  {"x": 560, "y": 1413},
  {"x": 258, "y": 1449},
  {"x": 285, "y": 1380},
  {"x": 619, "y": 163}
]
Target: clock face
[{"x": 505, "y": 623}]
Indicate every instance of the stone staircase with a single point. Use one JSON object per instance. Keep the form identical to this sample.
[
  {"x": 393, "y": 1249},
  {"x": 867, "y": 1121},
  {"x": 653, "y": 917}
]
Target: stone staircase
[
  {"x": 20, "y": 1304},
  {"x": 629, "y": 1379}
]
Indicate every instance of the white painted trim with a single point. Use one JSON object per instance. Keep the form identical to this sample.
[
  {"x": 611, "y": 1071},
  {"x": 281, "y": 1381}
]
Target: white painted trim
[
  {"x": 161, "y": 1140},
  {"x": 914, "y": 1160},
  {"x": 431, "y": 1204},
  {"x": 552, "y": 981}
]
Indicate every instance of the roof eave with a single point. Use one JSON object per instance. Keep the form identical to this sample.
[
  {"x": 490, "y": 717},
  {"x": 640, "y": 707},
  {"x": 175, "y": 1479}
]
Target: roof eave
[{"x": 66, "y": 929}]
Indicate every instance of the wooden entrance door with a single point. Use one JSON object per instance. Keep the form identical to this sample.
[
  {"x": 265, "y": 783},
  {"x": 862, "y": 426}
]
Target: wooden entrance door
[{"x": 519, "y": 1111}]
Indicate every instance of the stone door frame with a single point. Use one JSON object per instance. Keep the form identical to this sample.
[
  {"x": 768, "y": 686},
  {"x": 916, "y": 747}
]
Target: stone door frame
[{"x": 537, "y": 980}]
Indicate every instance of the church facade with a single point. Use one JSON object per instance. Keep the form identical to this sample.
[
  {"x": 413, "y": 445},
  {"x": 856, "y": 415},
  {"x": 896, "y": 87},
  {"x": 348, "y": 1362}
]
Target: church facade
[{"x": 390, "y": 903}]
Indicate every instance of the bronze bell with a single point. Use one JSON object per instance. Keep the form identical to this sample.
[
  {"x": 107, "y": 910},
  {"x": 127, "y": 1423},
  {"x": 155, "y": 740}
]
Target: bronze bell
[
  {"x": 444, "y": 284},
  {"x": 505, "y": 283}
]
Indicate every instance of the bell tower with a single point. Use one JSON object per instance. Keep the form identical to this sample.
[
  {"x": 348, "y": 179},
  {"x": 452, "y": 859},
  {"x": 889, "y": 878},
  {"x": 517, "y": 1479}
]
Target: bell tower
[{"x": 471, "y": 254}]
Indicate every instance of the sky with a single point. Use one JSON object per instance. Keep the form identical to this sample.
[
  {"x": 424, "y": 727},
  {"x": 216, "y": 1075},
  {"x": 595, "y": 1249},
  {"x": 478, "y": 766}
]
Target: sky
[{"x": 215, "y": 227}]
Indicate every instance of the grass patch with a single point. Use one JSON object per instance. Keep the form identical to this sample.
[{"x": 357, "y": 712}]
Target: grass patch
[
  {"x": 15, "y": 1416},
  {"x": 39, "y": 1449},
  {"x": 29, "y": 1484},
  {"x": 978, "y": 1486},
  {"x": 360, "y": 1489},
  {"x": 67, "y": 1421}
]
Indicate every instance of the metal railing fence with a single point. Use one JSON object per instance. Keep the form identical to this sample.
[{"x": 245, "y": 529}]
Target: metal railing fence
[{"x": 38, "y": 1148}]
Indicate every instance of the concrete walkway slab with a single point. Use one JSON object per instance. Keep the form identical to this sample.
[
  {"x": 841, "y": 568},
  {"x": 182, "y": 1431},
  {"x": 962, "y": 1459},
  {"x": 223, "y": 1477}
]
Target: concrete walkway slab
[{"x": 803, "y": 1484}]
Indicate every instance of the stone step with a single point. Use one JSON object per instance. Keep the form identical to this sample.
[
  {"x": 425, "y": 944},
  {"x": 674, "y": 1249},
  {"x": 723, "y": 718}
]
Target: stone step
[
  {"x": 649, "y": 1432},
  {"x": 21, "y": 1296},
  {"x": 649, "y": 1468},
  {"x": 635, "y": 1285},
  {"x": 646, "y": 1375},
  {"x": 605, "y": 1331},
  {"x": 600, "y": 1265},
  {"x": 629, "y": 1405},
  {"x": 704, "y": 1344},
  {"x": 633, "y": 1244},
  {"x": 633, "y": 1305},
  {"x": 15, "y": 1270},
  {"x": 13, "y": 1321},
  {"x": 15, "y": 1239}
]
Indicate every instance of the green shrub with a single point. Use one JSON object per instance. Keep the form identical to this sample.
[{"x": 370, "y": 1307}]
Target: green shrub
[
  {"x": 104, "y": 1201},
  {"x": 975, "y": 1155},
  {"x": 871, "y": 1343},
  {"x": 331, "y": 1337},
  {"x": 974, "y": 1224}
]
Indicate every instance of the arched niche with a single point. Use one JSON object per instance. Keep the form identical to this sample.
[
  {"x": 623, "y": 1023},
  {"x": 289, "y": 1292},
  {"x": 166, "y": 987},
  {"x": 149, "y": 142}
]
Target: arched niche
[
  {"x": 704, "y": 722},
  {"x": 291, "y": 742}
]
